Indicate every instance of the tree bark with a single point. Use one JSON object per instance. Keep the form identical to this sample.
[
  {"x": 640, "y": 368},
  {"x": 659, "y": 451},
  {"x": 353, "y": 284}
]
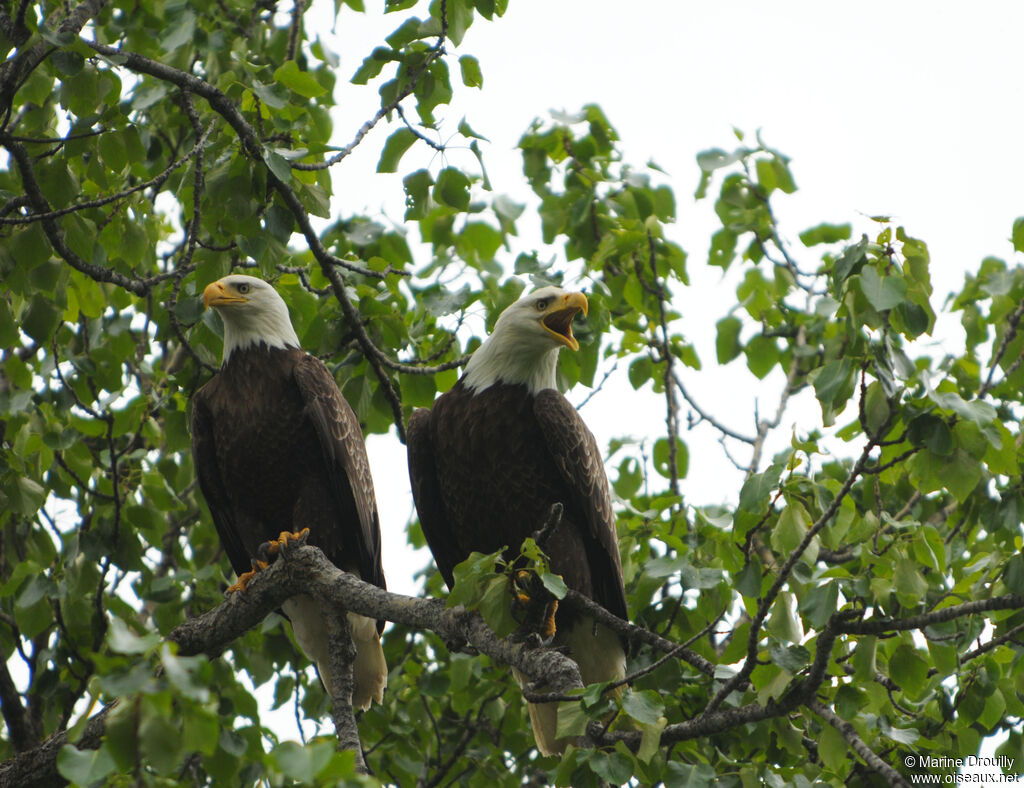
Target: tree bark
[{"x": 306, "y": 570}]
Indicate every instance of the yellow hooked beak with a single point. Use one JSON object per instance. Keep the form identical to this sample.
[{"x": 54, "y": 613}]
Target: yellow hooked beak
[
  {"x": 216, "y": 294},
  {"x": 559, "y": 317}
]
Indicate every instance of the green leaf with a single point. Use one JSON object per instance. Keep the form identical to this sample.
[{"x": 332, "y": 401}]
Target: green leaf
[
  {"x": 660, "y": 455},
  {"x": 300, "y": 763},
  {"x": 933, "y": 433},
  {"x": 876, "y": 407},
  {"x": 832, "y": 748},
  {"x": 644, "y": 706},
  {"x": 723, "y": 248},
  {"x": 472, "y": 77},
  {"x": 122, "y": 640},
  {"x": 373, "y": 65},
  {"x": 748, "y": 581},
  {"x": 727, "y": 340},
  {"x": 160, "y": 742},
  {"x": 25, "y": 496},
  {"x": 909, "y": 669},
  {"x": 782, "y": 623},
  {"x": 790, "y": 529},
  {"x": 865, "y": 659},
  {"x": 67, "y": 62},
  {"x": 1018, "y": 234},
  {"x": 650, "y": 741},
  {"x": 495, "y": 606},
  {"x": 685, "y": 775},
  {"x": 882, "y": 292},
  {"x": 833, "y": 386},
  {"x": 758, "y": 487},
  {"x": 452, "y": 189},
  {"x": 908, "y": 581},
  {"x": 819, "y": 605},
  {"x": 613, "y": 767},
  {"x": 395, "y": 147},
  {"x": 789, "y": 658},
  {"x": 272, "y": 95},
  {"x": 277, "y": 165},
  {"x": 981, "y": 413},
  {"x": 554, "y": 584},
  {"x": 84, "y": 767},
  {"x": 851, "y": 258},
  {"x": 41, "y": 318},
  {"x": 762, "y": 356},
  {"x": 180, "y": 32},
  {"x": 960, "y": 473},
  {"x": 825, "y": 234},
  {"x": 716, "y": 158},
  {"x": 301, "y": 82},
  {"x": 572, "y": 719}
]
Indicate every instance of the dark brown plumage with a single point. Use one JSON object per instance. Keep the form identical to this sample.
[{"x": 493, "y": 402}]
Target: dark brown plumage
[
  {"x": 496, "y": 451},
  {"x": 486, "y": 469},
  {"x": 277, "y": 448}
]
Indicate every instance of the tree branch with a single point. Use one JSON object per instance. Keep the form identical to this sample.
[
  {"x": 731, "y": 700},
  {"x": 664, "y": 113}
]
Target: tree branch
[
  {"x": 856, "y": 743},
  {"x": 306, "y": 570},
  {"x": 19, "y": 725},
  {"x": 15, "y": 71},
  {"x": 765, "y": 604}
]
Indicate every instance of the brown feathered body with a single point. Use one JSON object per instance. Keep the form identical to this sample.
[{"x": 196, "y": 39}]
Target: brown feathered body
[
  {"x": 491, "y": 457},
  {"x": 500, "y": 458},
  {"x": 277, "y": 447}
]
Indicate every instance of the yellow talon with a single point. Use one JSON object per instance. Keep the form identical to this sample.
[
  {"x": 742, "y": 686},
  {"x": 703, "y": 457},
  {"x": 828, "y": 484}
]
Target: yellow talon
[
  {"x": 548, "y": 630},
  {"x": 244, "y": 579}
]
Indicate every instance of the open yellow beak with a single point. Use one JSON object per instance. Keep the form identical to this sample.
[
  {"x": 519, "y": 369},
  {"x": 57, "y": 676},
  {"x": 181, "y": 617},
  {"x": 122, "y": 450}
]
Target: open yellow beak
[
  {"x": 558, "y": 320},
  {"x": 216, "y": 294}
]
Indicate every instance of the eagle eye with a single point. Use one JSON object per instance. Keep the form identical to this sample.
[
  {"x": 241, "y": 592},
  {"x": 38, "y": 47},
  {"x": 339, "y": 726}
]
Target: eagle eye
[
  {"x": 542, "y": 304},
  {"x": 244, "y": 287}
]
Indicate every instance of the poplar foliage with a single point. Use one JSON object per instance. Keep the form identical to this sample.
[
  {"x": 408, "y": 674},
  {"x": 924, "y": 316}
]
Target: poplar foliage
[{"x": 856, "y": 599}]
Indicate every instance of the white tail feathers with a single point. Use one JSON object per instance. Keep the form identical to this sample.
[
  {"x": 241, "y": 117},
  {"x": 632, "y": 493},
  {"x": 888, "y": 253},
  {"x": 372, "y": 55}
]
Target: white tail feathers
[
  {"x": 370, "y": 670},
  {"x": 600, "y": 657}
]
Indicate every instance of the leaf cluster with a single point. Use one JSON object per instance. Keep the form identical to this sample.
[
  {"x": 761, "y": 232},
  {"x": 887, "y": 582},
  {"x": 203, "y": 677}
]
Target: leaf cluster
[{"x": 856, "y": 597}]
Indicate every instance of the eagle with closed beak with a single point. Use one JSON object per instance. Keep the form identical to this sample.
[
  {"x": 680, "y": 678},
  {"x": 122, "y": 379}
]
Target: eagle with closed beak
[{"x": 277, "y": 449}]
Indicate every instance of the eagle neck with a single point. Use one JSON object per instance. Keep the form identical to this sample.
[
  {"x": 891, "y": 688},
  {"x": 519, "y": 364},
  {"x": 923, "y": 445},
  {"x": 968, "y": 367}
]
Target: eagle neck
[
  {"x": 269, "y": 331},
  {"x": 247, "y": 361},
  {"x": 513, "y": 363}
]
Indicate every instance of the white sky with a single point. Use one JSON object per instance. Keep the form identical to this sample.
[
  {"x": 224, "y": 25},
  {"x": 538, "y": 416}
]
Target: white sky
[{"x": 912, "y": 109}]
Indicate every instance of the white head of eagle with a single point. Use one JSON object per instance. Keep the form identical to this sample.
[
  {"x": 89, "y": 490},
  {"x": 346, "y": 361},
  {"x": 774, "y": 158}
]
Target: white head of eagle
[
  {"x": 523, "y": 346},
  {"x": 253, "y": 312}
]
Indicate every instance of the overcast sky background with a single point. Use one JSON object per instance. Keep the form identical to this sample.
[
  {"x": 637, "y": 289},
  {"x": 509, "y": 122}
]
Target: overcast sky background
[{"x": 911, "y": 109}]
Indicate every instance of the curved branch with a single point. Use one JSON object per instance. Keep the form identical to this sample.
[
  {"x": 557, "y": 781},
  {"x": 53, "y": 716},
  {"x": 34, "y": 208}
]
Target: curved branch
[
  {"x": 16, "y": 70},
  {"x": 856, "y": 743},
  {"x": 55, "y": 235},
  {"x": 247, "y": 135},
  {"x": 101, "y": 201},
  {"x": 435, "y": 52}
]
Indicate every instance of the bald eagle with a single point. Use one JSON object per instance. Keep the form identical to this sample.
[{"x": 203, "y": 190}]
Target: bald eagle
[
  {"x": 496, "y": 451},
  {"x": 277, "y": 448}
]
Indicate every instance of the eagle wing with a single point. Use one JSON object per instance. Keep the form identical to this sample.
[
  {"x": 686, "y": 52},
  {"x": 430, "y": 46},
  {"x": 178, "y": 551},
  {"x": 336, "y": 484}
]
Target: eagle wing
[
  {"x": 426, "y": 493},
  {"x": 575, "y": 451},
  {"x": 204, "y": 457},
  {"x": 341, "y": 441}
]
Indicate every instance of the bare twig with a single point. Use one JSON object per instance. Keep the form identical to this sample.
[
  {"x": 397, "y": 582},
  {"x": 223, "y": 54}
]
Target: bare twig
[{"x": 1012, "y": 325}]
